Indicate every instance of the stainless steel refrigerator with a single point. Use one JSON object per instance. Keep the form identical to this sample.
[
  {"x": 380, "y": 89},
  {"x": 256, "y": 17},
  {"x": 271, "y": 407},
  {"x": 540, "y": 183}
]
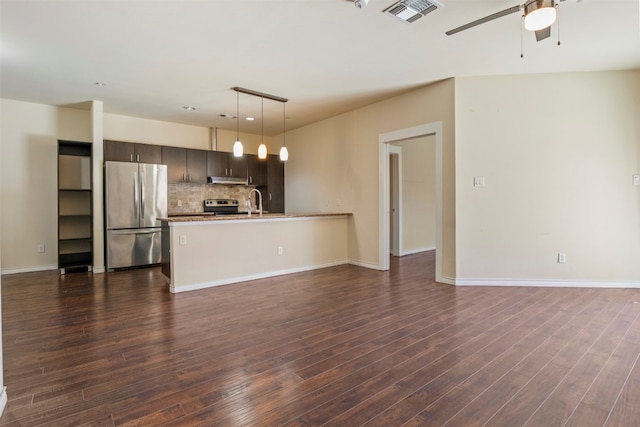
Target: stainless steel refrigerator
[{"x": 135, "y": 197}]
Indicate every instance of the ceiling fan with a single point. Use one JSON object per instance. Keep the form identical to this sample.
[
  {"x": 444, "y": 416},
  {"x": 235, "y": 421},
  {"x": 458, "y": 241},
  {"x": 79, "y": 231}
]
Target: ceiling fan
[{"x": 538, "y": 17}]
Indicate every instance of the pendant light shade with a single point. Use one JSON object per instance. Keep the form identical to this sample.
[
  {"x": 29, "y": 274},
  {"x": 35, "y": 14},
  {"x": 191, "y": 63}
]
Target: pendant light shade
[
  {"x": 284, "y": 154},
  {"x": 539, "y": 14},
  {"x": 238, "y": 150},
  {"x": 262, "y": 151},
  {"x": 237, "y": 146}
]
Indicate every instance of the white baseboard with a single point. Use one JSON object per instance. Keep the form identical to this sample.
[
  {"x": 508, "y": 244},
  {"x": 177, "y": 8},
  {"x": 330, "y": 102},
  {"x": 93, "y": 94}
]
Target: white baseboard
[
  {"x": 35, "y": 268},
  {"x": 8, "y": 271},
  {"x": 416, "y": 251},
  {"x": 546, "y": 283},
  {"x": 229, "y": 281},
  {"x": 365, "y": 265},
  {"x": 447, "y": 280},
  {"x": 3, "y": 399}
]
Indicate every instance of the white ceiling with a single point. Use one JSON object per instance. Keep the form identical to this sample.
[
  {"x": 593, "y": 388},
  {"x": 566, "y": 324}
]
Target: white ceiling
[{"x": 326, "y": 56}]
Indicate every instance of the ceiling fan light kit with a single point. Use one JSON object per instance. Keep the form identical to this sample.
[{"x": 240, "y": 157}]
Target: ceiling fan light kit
[{"x": 539, "y": 14}]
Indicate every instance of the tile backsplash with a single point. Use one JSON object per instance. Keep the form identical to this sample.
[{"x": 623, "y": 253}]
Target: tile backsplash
[{"x": 192, "y": 195}]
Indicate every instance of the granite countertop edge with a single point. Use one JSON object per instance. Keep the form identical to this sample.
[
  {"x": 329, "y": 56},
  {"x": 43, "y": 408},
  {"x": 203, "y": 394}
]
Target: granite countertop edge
[{"x": 253, "y": 216}]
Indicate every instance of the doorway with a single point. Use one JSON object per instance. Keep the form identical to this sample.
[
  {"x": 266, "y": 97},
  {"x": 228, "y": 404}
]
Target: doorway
[
  {"x": 384, "y": 206},
  {"x": 412, "y": 196}
]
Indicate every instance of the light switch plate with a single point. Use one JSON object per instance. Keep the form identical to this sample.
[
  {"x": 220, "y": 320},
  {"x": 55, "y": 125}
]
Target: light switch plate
[
  {"x": 636, "y": 179},
  {"x": 478, "y": 181}
]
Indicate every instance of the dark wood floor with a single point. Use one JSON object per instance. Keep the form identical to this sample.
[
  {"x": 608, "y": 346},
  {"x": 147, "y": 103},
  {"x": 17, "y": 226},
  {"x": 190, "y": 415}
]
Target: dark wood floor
[{"x": 343, "y": 346}]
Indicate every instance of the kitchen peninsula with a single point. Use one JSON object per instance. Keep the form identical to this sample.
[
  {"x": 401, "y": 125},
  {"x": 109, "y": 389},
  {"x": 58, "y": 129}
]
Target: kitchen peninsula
[{"x": 203, "y": 251}]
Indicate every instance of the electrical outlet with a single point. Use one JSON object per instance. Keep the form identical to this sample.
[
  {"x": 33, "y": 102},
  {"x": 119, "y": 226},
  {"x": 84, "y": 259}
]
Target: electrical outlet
[
  {"x": 183, "y": 239},
  {"x": 478, "y": 181},
  {"x": 562, "y": 258},
  {"x": 280, "y": 250},
  {"x": 636, "y": 179},
  {"x": 41, "y": 248},
  {"x": 179, "y": 203}
]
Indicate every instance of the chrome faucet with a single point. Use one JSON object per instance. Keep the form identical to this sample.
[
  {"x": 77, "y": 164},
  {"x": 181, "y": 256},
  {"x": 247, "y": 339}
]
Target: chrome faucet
[{"x": 259, "y": 200}]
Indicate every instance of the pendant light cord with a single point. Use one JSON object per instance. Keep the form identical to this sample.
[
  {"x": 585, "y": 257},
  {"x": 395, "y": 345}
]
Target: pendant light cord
[
  {"x": 558, "y": 13},
  {"x": 521, "y": 37},
  {"x": 237, "y": 116}
]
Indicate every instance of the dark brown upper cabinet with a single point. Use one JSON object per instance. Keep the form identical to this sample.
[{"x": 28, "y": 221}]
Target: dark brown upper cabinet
[
  {"x": 121, "y": 151},
  {"x": 223, "y": 164},
  {"x": 185, "y": 164},
  {"x": 256, "y": 170}
]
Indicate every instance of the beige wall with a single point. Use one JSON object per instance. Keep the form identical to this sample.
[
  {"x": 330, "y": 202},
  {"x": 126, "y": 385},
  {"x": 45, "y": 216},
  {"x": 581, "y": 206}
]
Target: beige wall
[
  {"x": 28, "y": 156},
  {"x": 134, "y": 129},
  {"x": 334, "y": 165},
  {"x": 558, "y": 152},
  {"x": 418, "y": 194},
  {"x": 250, "y": 142}
]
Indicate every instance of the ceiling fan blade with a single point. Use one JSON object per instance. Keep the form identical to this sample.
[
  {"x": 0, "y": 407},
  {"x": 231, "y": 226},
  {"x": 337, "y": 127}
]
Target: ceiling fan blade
[
  {"x": 491, "y": 17},
  {"x": 543, "y": 33}
]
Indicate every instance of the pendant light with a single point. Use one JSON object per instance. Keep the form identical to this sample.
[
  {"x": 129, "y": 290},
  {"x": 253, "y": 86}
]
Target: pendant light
[
  {"x": 237, "y": 146},
  {"x": 262, "y": 149},
  {"x": 284, "y": 153}
]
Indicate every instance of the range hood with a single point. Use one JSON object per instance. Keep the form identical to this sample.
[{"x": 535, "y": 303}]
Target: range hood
[{"x": 227, "y": 180}]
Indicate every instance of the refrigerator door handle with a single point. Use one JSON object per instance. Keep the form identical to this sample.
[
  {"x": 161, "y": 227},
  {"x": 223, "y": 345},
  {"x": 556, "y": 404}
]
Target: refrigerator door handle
[
  {"x": 136, "y": 193},
  {"x": 142, "y": 185}
]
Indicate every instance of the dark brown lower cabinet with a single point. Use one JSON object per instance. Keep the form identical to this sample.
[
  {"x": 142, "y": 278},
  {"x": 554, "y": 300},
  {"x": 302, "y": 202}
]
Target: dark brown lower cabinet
[{"x": 274, "y": 197}]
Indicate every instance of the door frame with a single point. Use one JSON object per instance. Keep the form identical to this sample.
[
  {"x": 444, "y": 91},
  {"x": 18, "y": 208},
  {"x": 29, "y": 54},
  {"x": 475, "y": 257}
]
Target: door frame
[
  {"x": 395, "y": 186},
  {"x": 428, "y": 129}
]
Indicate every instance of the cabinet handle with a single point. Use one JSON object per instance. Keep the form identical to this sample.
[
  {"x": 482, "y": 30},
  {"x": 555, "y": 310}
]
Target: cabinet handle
[
  {"x": 269, "y": 196},
  {"x": 137, "y": 157},
  {"x": 131, "y": 158},
  {"x": 226, "y": 171},
  {"x": 184, "y": 176},
  {"x": 250, "y": 180},
  {"x": 230, "y": 172}
]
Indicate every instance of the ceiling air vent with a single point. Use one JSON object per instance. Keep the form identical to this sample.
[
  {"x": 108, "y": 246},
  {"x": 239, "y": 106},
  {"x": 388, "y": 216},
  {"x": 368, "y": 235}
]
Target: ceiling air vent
[{"x": 411, "y": 10}]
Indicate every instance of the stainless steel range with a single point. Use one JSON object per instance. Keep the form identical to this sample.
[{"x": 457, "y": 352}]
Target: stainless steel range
[{"x": 222, "y": 206}]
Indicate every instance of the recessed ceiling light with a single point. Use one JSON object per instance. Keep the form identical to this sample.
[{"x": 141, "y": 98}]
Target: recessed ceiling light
[
  {"x": 249, "y": 119},
  {"x": 99, "y": 84},
  {"x": 189, "y": 108}
]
